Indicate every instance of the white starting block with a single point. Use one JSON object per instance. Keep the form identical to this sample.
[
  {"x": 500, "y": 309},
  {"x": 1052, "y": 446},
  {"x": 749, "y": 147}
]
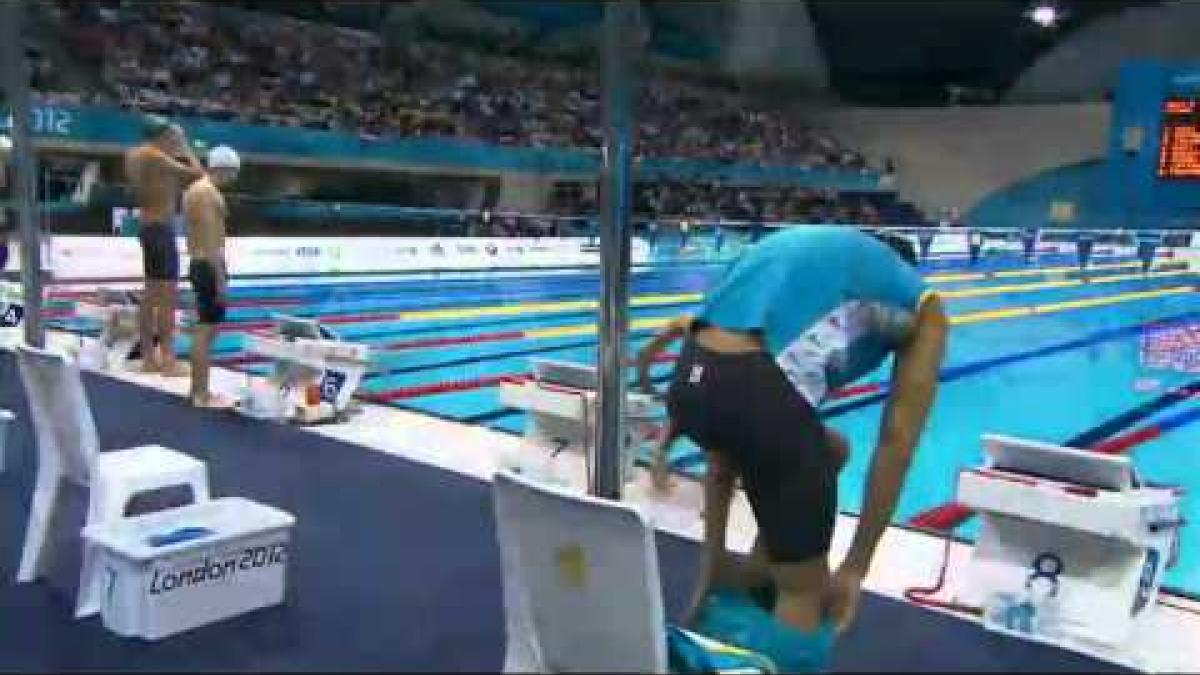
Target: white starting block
[
  {"x": 174, "y": 570},
  {"x": 118, "y": 314},
  {"x": 12, "y": 314},
  {"x": 563, "y": 405},
  {"x": 305, "y": 353},
  {"x": 1072, "y": 547}
]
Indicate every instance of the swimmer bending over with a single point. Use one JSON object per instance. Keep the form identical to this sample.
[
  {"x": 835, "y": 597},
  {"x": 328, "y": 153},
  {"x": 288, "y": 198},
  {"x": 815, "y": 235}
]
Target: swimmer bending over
[
  {"x": 676, "y": 329},
  {"x": 806, "y": 311}
]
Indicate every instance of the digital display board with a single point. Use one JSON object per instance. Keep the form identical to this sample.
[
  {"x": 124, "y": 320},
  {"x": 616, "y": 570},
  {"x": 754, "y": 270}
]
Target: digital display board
[{"x": 1179, "y": 151}]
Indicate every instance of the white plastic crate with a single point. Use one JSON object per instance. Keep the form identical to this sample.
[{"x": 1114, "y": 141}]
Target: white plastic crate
[{"x": 157, "y": 591}]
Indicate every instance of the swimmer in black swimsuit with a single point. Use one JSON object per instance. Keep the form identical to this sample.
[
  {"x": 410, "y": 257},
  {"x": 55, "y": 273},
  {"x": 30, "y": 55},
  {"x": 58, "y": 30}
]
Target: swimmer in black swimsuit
[
  {"x": 805, "y": 312},
  {"x": 205, "y": 209}
]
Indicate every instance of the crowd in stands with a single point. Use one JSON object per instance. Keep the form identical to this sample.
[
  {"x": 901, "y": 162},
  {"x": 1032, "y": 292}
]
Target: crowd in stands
[
  {"x": 701, "y": 201},
  {"x": 192, "y": 58}
]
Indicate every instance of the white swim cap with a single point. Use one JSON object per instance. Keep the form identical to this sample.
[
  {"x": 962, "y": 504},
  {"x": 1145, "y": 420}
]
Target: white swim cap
[{"x": 224, "y": 157}]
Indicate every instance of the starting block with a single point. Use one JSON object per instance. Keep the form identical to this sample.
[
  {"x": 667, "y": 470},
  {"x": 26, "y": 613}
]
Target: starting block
[
  {"x": 117, "y": 312},
  {"x": 1072, "y": 548},
  {"x": 305, "y": 353},
  {"x": 12, "y": 314},
  {"x": 562, "y": 405}
]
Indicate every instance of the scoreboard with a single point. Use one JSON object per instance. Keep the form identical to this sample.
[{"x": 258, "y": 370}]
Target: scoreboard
[{"x": 1179, "y": 150}]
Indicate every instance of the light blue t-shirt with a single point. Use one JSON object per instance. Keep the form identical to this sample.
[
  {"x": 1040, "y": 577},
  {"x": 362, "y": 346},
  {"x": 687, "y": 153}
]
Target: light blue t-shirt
[{"x": 828, "y": 300}]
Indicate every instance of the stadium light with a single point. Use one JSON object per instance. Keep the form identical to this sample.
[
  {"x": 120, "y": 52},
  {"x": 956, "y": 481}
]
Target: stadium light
[{"x": 1044, "y": 15}]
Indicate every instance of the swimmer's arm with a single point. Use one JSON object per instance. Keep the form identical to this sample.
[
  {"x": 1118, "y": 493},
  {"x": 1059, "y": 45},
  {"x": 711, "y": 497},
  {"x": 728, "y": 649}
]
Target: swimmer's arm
[
  {"x": 645, "y": 358},
  {"x": 190, "y": 169},
  {"x": 916, "y": 376}
]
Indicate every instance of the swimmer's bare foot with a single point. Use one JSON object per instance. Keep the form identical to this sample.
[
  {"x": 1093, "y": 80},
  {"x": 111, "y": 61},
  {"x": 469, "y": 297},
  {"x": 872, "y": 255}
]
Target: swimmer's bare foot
[
  {"x": 211, "y": 402},
  {"x": 150, "y": 366},
  {"x": 176, "y": 369}
]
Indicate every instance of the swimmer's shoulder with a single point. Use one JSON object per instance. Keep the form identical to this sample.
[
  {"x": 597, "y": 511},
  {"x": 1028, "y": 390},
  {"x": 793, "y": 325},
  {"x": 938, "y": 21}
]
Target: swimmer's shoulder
[
  {"x": 144, "y": 152},
  {"x": 145, "y": 155},
  {"x": 201, "y": 192}
]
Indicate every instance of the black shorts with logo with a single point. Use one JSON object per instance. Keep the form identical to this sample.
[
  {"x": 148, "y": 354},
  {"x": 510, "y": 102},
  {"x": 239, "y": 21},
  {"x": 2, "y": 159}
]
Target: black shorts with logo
[
  {"x": 160, "y": 252},
  {"x": 210, "y": 305},
  {"x": 743, "y": 407}
]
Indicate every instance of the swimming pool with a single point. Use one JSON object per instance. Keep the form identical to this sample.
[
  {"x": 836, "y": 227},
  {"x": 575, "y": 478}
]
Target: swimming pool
[{"x": 1035, "y": 353}]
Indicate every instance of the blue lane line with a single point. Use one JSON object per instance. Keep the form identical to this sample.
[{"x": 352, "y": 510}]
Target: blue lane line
[
  {"x": 457, "y": 300},
  {"x": 965, "y": 370},
  {"x": 1177, "y": 420},
  {"x": 491, "y": 416},
  {"x": 948, "y": 374},
  {"x": 951, "y": 373},
  {"x": 435, "y": 286},
  {"x": 1114, "y": 425},
  {"x": 497, "y": 356}
]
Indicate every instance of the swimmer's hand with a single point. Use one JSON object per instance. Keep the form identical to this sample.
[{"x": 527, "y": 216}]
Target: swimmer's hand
[
  {"x": 841, "y": 597},
  {"x": 660, "y": 472}
]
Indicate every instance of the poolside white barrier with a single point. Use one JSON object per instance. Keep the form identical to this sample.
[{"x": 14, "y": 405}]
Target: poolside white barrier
[{"x": 1072, "y": 547}]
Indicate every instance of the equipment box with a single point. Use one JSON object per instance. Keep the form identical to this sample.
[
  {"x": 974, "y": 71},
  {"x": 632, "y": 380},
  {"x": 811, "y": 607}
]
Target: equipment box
[{"x": 178, "y": 569}]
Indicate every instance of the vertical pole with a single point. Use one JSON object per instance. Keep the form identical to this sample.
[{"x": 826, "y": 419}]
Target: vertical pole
[
  {"x": 621, "y": 38},
  {"x": 24, "y": 194}
]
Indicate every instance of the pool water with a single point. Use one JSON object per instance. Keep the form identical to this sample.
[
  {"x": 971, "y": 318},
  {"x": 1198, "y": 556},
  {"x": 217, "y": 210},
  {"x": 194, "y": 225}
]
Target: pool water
[{"x": 1051, "y": 373}]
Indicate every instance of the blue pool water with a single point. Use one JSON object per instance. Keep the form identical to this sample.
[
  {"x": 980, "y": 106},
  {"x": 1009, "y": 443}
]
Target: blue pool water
[{"x": 1067, "y": 370}]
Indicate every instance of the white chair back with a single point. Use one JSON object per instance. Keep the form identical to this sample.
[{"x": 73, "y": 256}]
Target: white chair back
[
  {"x": 67, "y": 444},
  {"x": 581, "y": 585},
  {"x": 62, "y": 418}
]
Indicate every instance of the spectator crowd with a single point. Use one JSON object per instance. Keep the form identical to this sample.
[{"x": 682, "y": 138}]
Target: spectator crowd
[
  {"x": 207, "y": 59},
  {"x": 704, "y": 201}
]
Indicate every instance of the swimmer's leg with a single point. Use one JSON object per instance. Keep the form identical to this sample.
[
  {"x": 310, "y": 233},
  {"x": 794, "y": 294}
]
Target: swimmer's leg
[
  {"x": 202, "y": 339},
  {"x": 719, "y": 483},
  {"x": 757, "y": 575},
  {"x": 148, "y": 324},
  {"x": 169, "y": 299},
  {"x": 800, "y": 592}
]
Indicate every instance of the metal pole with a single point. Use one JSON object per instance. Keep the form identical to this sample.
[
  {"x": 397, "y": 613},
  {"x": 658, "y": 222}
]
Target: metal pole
[
  {"x": 24, "y": 194},
  {"x": 621, "y": 38}
]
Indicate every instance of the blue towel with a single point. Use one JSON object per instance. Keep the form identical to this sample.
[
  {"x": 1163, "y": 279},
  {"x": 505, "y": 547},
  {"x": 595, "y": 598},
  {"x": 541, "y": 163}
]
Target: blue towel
[
  {"x": 176, "y": 536},
  {"x": 733, "y": 617}
]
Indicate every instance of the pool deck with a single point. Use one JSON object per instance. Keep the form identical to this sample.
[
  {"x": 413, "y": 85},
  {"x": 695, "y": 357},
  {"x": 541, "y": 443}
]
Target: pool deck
[{"x": 905, "y": 558}]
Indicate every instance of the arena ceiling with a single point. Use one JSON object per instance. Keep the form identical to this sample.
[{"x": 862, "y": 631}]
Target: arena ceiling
[{"x": 913, "y": 51}]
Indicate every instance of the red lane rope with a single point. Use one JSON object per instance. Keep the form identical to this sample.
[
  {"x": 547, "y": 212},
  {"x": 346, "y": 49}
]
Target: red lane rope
[
  {"x": 444, "y": 387},
  {"x": 266, "y": 302},
  {"x": 1119, "y": 444},
  {"x": 446, "y": 341},
  {"x": 431, "y": 388},
  {"x": 240, "y": 360},
  {"x": 857, "y": 390}
]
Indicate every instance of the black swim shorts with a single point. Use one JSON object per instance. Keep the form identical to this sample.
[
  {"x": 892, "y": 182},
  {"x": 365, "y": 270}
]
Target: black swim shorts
[
  {"x": 210, "y": 305},
  {"x": 160, "y": 252},
  {"x": 743, "y": 407}
]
